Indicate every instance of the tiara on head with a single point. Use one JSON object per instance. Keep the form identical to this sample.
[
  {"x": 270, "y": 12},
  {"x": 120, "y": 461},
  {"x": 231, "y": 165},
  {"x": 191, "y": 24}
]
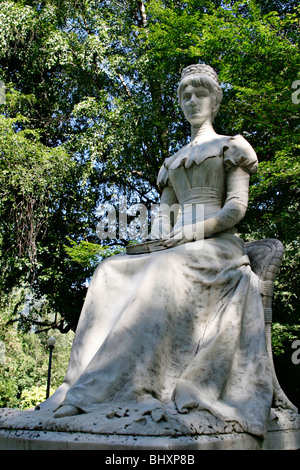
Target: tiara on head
[{"x": 201, "y": 69}]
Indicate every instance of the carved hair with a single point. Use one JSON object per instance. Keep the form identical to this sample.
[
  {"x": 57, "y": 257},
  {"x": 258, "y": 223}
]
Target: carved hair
[{"x": 202, "y": 75}]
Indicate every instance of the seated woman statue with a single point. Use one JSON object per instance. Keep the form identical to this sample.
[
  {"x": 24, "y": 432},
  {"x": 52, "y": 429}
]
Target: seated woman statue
[{"x": 183, "y": 325}]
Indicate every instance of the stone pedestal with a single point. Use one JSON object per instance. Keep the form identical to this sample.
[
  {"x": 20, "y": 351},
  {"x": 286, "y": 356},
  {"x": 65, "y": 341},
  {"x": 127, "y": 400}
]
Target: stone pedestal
[{"x": 36, "y": 430}]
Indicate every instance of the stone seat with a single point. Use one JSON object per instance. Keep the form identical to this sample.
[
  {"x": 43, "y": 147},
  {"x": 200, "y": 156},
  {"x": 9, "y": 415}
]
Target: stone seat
[{"x": 265, "y": 259}]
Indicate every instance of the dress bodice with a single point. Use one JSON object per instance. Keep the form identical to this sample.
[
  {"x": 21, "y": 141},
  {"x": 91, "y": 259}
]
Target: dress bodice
[
  {"x": 197, "y": 176},
  {"x": 199, "y": 184},
  {"x": 205, "y": 166}
]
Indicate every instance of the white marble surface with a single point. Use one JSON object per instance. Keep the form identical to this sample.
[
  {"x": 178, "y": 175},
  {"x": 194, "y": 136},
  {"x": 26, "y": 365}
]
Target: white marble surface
[{"x": 30, "y": 430}]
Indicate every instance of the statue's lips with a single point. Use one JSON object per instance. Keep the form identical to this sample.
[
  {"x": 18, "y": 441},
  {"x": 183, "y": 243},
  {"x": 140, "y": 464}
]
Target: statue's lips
[{"x": 194, "y": 112}]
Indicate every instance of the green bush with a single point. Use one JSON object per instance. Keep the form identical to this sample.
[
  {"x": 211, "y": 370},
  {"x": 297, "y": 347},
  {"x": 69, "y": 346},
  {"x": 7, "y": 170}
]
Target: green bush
[{"x": 33, "y": 396}]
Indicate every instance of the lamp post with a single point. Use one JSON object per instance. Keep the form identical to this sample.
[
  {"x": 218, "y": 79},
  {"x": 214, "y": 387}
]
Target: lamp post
[{"x": 51, "y": 343}]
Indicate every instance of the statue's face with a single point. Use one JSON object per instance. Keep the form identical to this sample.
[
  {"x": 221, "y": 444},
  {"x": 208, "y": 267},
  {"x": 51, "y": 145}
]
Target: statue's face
[{"x": 197, "y": 104}]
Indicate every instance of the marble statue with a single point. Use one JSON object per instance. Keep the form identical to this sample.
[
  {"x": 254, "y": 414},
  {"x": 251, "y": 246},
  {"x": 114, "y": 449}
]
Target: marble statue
[{"x": 180, "y": 328}]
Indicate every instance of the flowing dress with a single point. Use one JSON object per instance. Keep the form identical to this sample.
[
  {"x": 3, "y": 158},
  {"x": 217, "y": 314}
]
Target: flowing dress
[{"x": 184, "y": 325}]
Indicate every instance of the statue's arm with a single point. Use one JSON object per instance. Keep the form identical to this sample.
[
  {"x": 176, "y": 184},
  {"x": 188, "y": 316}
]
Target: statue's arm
[
  {"x": 167, "y": 214},
  {"x": 232, "y": 212},
  {"x": 235, "y": 205}
]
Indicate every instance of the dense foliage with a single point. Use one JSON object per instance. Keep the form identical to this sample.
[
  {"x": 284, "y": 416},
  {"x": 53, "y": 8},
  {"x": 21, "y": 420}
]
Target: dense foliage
[{"x": 91, "y": 112}]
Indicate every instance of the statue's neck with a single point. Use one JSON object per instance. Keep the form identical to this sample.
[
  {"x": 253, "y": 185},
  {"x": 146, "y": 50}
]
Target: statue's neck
[{"x": 204, "y": 131}]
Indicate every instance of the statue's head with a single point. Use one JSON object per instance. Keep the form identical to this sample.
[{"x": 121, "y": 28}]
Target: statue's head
[{"x": 203, "y": 80}]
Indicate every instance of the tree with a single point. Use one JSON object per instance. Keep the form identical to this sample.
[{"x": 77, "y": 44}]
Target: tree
[
  {"x": 24, "y": 358},
  {"x": 92, "y": 111}
]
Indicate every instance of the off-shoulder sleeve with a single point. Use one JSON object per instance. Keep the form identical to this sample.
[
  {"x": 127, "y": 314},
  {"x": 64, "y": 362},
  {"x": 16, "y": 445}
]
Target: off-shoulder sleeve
[
  {"x": 240, "y": 153},
  {"x": 163, "y": 178}
]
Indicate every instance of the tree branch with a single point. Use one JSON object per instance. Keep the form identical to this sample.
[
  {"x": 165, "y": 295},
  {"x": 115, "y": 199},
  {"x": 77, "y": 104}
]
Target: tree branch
[
  {"x": 142, "y": 13},
  {"x": 124, "y": 85}
]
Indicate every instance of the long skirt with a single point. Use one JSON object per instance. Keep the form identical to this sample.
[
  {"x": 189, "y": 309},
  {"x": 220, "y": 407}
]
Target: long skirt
[{"x": 183, "y": 325}]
